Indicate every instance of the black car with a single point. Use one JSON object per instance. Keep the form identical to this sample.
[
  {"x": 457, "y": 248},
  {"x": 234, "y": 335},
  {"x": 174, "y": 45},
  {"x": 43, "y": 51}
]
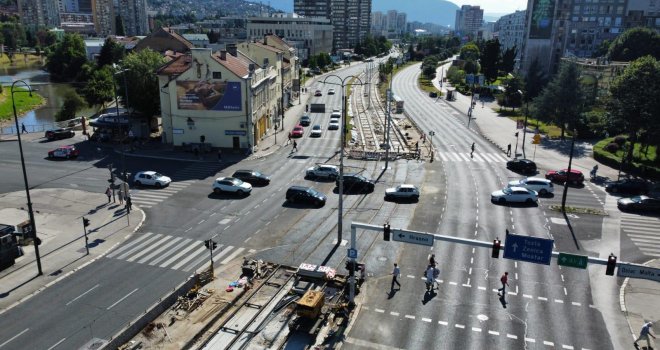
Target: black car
[
  {"x": 305, "y": 120},
  {"x": 302, "y": 194},
  {"x": 523, "y": 166},
  {"x": 628, "y": 186},
  {"x": 252, "y": 177},
  {"x": 433, "y": 94},
  {"x": 58, "y": 134},
  {"x": 355, "y": 183},
  {"x": 639, "y": 203}
]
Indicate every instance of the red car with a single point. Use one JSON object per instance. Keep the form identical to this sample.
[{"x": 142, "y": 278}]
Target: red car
[
  {"x": 297, "y": 131},
  {"x": 67, "y": 152},
  {"x": 576, "y": 177}
]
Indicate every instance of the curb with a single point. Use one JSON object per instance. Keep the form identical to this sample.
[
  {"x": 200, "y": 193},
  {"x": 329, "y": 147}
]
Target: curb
[
  {"x": 622, "y": 301},
  {"x": 163, "y": 157}
]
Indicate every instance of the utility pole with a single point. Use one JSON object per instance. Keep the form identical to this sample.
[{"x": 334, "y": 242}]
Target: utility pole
[{"x": 568, "y": 174}]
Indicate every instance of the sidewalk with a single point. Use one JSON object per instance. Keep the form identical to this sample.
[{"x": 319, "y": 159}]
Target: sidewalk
[
  {"x": 58, "y": 215},
  {"x": 640, "y": 302}
]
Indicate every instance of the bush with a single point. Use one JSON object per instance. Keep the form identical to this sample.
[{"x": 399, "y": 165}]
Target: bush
[
  {"x": 620, "y": 140},
  {"x": 612, "y": 147}
]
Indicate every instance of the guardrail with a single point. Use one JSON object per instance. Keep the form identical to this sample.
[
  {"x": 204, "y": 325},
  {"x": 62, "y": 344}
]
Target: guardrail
[{"x": 11, "y": 129}]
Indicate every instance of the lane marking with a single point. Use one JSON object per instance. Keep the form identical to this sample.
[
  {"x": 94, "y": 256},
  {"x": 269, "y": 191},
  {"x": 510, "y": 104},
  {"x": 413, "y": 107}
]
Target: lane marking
[
  {"x": 122, "y": 299},
  {"x": 394, "y": 313},
  {"x": 410, "y": 317},
  {"x": 14, "y": 337},
  {"x": 459, "y": 326},
  {"x": 494, "y": 332},
  {"x": 82, "y": 295},
  {"x": 512, "y": 336},
  {"x": 56, "y": 344}
]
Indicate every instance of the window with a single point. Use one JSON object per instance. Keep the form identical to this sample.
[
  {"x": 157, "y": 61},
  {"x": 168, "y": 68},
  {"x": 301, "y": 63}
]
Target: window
[{"x": 217, "y": 75}]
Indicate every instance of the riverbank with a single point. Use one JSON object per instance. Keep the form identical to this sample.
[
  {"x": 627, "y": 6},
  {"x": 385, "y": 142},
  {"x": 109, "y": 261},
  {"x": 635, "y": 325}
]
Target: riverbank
[
  {"x": 22, "y": 61},
  {"x": 24, "y": 103}
]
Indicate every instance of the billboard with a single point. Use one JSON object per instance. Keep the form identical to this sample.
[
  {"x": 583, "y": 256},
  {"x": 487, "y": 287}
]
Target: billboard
[
  {"x": 542, "y": 16},
  {"x": 204, "y": 95}
]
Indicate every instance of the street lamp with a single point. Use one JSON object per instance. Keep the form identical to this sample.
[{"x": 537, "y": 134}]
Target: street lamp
[
  {"x": 33, "y": 226},
  {"x": 525, "y": 125},
  {"x": 122, "y": 71},
  {"x": 568, "y": 174}
]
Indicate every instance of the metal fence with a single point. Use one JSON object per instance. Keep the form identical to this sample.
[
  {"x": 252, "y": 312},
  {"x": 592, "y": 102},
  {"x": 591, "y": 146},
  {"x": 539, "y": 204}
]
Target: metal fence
[{"x": 11, "y": 129}]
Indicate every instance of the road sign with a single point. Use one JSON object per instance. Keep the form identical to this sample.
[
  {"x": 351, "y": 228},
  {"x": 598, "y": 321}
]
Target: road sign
[
  {"x": 530, "y": 249},
  {"x": 536, "y": 139},
  {"x": 412, "y": 237},
  {"x": 572, "y": 260},
  {"x": 638, "y": 271},
  {"x": 520, "y": 124},
  {"x": 431, "y": 133},
  {"x": 351, "y": 253}
]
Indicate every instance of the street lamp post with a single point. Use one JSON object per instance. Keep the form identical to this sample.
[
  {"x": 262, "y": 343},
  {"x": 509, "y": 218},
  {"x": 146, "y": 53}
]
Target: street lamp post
[
  {"x": 33, "y": 226},
  {"x": 568, "y": 174},
  {"x": 525, "y": 124}
]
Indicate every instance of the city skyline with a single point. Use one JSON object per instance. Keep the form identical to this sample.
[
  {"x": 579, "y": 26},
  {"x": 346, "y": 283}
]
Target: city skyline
[{"x": 499, "y": 7}]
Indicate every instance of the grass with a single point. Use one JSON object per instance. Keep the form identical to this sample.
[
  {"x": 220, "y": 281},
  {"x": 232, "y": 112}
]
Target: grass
[
  {"x": 382, "y": 88},
  {"x": 647, "y": 156},
  {"x": 550, "y": 130},
  {"x": 578, "y": 210},
  {"x": 24, "y": 103},
  {"x": 427, "y": 85},
  {"x": 19, "y": 60}
]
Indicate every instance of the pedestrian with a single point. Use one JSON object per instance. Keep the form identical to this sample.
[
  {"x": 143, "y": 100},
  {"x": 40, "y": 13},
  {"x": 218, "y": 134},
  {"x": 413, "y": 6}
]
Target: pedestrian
[
  {"x": 644, "y": 334},
  {"x": 121, "y": 196},
  {"x": 505, "y": 282},
  {"x": 432, "y": 260},
  {"x": 129, "y": 204},
  {"x": 23, "y": 129},
  {"x": 417, "y": 146},
  {"x": 289, "y": 140},
  {"x": 508, "y": 150},
  {"x": 430, "y": 278},
  {"x": 396, "y": 272},
  {"x": 472, "y": 153},
  {"x": 108, "y": 192},
  {"x": 424, "y": 139},
  {"x": 249, "y": 150},
  {"x": 295, "y": 146},
  {"x": 219, "y": 155},
  {"x": 594, "y": 171}
]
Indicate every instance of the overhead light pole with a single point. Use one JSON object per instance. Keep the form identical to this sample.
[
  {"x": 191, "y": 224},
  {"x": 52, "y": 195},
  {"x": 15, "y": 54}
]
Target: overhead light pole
[
  {"x": 33, "y": 226},
  {"x": 522, "y": 96}
]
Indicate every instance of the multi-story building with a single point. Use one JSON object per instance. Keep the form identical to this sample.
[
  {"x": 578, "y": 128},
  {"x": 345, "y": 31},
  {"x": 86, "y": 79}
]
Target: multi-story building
[
  {"x": 134, "y": 16},
  {"x": 377, "y": 23},
  {"x": 401, "y": 19},
  {"x": 468, "y": 20},
  {"x": 351, "y": 19},
  {"x": 104, "y": 18},
  {"x": 37, "y": 14},
  {"x": 313, "y": 8},
  {"x": 511, "y": 30},
  {"x": 391, "y": 20}
]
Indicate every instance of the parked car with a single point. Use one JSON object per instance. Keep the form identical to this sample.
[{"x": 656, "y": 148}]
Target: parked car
[
  {"x": 331, "y": 92},
  {"x": 335, "y": 115},
  {"x": 540, "y": 185},
  {"x": 58, "y": 134},
  {"x": 521, "y": 165},
  {"x": 514, "y": 194},
  {"x": 151, "y": 178},
  {"x": 302, "y": 194},
  {"x": 297, "y": 131},
  {"x": 316, "y": 131},
  {"x": 305, "y": 120},
  {"x": 336, "y": 109},
  {"x": 433, "y": 94},
  {"x": 318, "y": 93},
  {"x": 326, "y": 171},
  {"x": 355, "y": 183},
  {"x": 628, "y": 186},
  {"x": 252, "y": 176},
  {"x": 576, "y": 177},
  {"x": 639, "y": 203},
  {"x": 404, "y": 191},
  {"x": 334, "y": 124},
  {"x": 67, "y": 152},
  {"x": 232, "y": 185}
]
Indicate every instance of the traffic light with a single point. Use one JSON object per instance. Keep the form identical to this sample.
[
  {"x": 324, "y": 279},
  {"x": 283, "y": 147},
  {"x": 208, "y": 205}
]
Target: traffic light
[
  {"x": 516, "y": 134},
  {"x": 497, "y": 244},
  {"x": 85, "y": 221},
  {"x": 351, "y": 266},
  {"x": 214, "y": 245},
  {"x": 210, "y": 244},
  {"x": 386, "y": 232},
  {"x": 306, "y": 108},
  {"x": 611, "y": 265}
]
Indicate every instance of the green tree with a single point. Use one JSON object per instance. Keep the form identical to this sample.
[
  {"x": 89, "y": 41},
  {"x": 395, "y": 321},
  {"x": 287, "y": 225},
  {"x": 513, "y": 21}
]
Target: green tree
[
  {"x": 471, "y": 67},
  {"x": 72, "y": 104},
  {"x": 67, "y": 58},
  {"x": 469, "y": 52},
  {"x": 509, "y": 60},
  {"x": 562, "y": 101},
  {"x": 14, "y": 35},
  {"x": 635, "y": 43},
  {"x": 141, "y": 81},
  {"x": 111, "y": 52},
  {"x": 512, "y": 89},
  {"x": 100, "y": 87},
  {"x": 119, "y": 25},
  {"x": 602, "y": 49},
  {"x": 535, "y": 81},
  {"x": 490, "y": 60},
  {"x": 634, "y": 101}
]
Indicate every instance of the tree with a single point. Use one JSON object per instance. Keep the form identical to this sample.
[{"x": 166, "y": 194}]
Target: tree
[
  {"x": 119, "y": 25},
  {"x": 469, "y": 52},
  {"x": 490, "y": 59},
  {"x": 471, "y": 67},
  {"x": 141, "y": 81},
  {"x": 535, "y": 81},
  {"x": 72, "y": 104},
  {"x": 66, "y": 60},
  {"x": 562, "y": 101},
  {"x": 14, "y": 35},
  {"x": 512, "y": 90},
  {"x": 111, "y": 52},
  {"x": 100, "y": 86},
  {"x": 602, "y": 49},
  {"x": 635, "y": 43},
  {"x": 634, "y": 101},
  {"x": 508, "y": 62}
]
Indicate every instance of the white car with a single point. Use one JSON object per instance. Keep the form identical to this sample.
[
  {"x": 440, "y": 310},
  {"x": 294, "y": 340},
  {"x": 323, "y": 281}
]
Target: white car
[
  {"x": 231, "y": 184},
  {"x": 336, "y": 109},
  {"x": 331, "y": 92},
  {"x": 151, "y": 178},
  {"x": 316, "y": 131},
  {"x": 404, "y": 191},
  {"x": 540, "y": 185},
  {"x": 334, "y": 124},
  {"x": 514, "y": 194},
  {"x": 335, "y": 115},
  {"x": 323, "y": 171}
]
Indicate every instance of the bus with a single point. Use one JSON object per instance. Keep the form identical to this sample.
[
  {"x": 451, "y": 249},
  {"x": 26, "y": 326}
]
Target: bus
[{"x": 399, "y": 104}]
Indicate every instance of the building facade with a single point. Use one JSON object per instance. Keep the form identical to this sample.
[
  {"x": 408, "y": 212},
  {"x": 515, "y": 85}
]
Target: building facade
[
  {"x": 314, "y": 34},
  {"x": 468, "y": 20},
  {"x": 104, "y": 17},
  {"x": 351, "y": 19},
  {"x": 134, "y": 16},
  {"x": 37, "y": 14},
  {"x": 511, "y": 32}
]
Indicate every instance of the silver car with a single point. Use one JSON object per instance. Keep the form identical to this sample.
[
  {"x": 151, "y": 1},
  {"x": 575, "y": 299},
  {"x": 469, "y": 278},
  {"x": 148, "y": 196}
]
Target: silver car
[{"x": 538, "y": 184}]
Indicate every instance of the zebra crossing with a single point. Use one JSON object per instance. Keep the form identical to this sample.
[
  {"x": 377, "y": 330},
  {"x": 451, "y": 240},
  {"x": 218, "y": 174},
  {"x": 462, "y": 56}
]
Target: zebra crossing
[
  {"x": 643, "y": 231},
  {"x": 476, "y": 157},
  {"x": 199, "y": 171},
  {"x": 148, "y": 197},
  {"x": 176, "y": 253}
]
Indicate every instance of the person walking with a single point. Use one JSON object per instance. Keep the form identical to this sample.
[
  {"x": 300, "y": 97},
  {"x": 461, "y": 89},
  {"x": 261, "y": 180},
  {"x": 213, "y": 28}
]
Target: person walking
[
  {"x": 472, "y": 152},
  {"x": 23, "y": 129},
  {"x": 594, "y": 171},
  {"x": 129, "y": 204},
  {"x": 396, "y": 272},
  {"x": 295, "y": 146},
  {"x": 121, "y": 196},
  {"x": 505, "y": 283},
  {"x": 644, "y": 334},
  {"x": 508, "y": 150},
  {"x": 432, "y": 260},
  {"x": 219, "y": 155},
  {"x": 108, "y": 192},
  {"x": 288, "y": 142},
  {"x": 430, "y": 278}
]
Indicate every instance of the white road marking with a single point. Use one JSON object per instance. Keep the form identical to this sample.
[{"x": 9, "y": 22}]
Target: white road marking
[
  {"x": 410, "y": 317},
  {"x": 199, "y": 223},
  {"x": 494, "y": 332},
  {"x": 559, "y": 301},
  {"x": 14, "y": 337},
  {"x": 576, "y": 303},
  {"x": 224, "y": 221},
  {"x": 459, "y": 326},
  {"x": 379, "y": 310},
  {"x": 122, "y": 299},
  {"x": 512, "y": 336},
  {"x": 475, "y": 329},
  {"x": 56, "y": 344},
  {"x": 548, "y": 343},
  {"x": 426, "y": 319},
  {"x": 232, "y": 255},
  {"x": 394, "y": 313},
  {"x": 82, "y": 295},
  {"x": 444, "y": 323},
  {"x": 542, "y": 298},
  {"x": 530, "y": 340}
]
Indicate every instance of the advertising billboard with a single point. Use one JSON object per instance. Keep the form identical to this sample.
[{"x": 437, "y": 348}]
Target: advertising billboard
[
  {"x": 204, "y": 95},
  {"x": 542, "y": 15}
]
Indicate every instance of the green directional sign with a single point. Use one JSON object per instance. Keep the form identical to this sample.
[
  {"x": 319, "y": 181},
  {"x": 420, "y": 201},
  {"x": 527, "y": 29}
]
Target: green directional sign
[{"x": 572, "y": 260}]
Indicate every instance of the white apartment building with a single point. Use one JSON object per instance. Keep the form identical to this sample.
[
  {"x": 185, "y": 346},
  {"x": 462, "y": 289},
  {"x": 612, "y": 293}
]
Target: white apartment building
[{"x": 315, "y": 33}]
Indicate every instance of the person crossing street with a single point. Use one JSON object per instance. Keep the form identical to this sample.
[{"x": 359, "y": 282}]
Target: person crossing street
[
  {"x": 505, "y": 283},
  {"x": 396, "y": 272},
  {"x": 644, "y": 334}
]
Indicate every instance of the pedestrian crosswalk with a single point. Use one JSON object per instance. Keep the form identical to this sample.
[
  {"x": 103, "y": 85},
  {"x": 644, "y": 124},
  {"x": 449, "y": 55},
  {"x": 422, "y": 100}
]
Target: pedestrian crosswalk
[
  {"x": 476, "y": 157},
  {"x": 176, "y": 253},
  {"x": 643, "y": 231},
  {"x": 148, "y": 197},
  {"x": 200, "y": 170}
]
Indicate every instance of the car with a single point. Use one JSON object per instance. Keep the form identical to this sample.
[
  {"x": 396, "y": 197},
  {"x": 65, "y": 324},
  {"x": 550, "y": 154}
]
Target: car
[
  {"x": 58, "y": 134},
  {"x": 303, "y": 194},
  {"x": 576, "y": 177},
  {"x": 514, "y": 194},
  {"x": 326, "y": 171},
  {"x": 433, "y": 94},
  {"x": 69, "y": 151},
  {"x": 628, "y": 186},
  {"x": 336, "y": 109},
  {"x": 316, "y": 131},
  {"x": 540, "y": 185},
  {"x": 232, "y": 185},
  {"x": 521, "y": 165},
  {"x": 305, "y": 120},
  {"x": 331, "y": 92},
  {"x": 318, "y": 93},
  {"x": 639, "y": 203},
  {"x": 151, "y": 178},
  {"x": 253, "y": 177},
  {"x": 335, "y": 115},
  {"x": 297, "y": 131},
  {"x": 404, "y": 191},
  {"x": 356, "y": 183},
  {"x": 334, "y": 124}
]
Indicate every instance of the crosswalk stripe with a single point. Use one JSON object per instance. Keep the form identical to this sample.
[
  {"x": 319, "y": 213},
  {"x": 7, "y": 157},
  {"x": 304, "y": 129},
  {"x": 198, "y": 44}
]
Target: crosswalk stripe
[
  {"x": 477, "y": 157},
  {"x": 159, "y": 250},
  {"x": 144, "y": 251},
  {"x": 442, "y": 155},
  {"x": 217, "y": 256},
  {"x": 634, "y": 233},
  {"x": 467, "y": 159},
  {"x": 232, "y": 255},
  {"x": 649, "y": 227},
  {"x": 128, "y": 245},
  {"x": 647, "y": 245},
  {"x": 200, "y": 260},
  {"x": 644, "y": 239},
  {"x": 191, "y": 256},
  {"x": 181, "y": 253},
  {"x": 150, "y": 195},
  {"x": 456, "y": 156},
  {"x": 488, "y": 157},
  {"x": 170, "y": 251},
  {"x": 652, "y": 252},
  {"x": 139, "y": 246},
  {"x": 145, "y": 201}
]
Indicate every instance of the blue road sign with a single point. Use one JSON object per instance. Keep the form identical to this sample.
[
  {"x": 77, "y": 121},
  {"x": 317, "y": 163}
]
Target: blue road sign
[
  {"x": 351, "y": 253},
  {"x": 530, "y": 249}
]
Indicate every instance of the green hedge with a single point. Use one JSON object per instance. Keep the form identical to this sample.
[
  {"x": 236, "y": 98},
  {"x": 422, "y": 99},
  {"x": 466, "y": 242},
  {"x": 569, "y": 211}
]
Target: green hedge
[{"x": 614, "y": 161}]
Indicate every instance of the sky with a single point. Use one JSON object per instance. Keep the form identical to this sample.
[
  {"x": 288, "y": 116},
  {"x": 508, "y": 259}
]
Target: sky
[{"x": 495, "y": 6}]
